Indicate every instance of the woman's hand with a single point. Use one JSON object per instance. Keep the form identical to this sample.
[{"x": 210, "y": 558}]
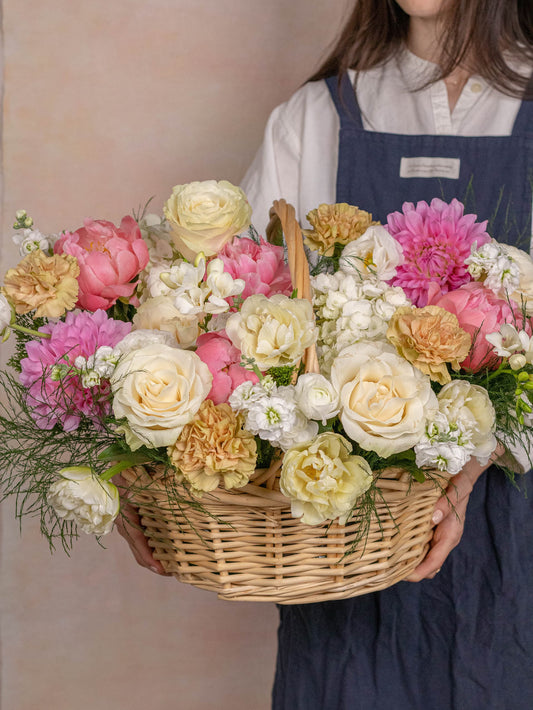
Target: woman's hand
[
  {"x": 449, "y": 518},
  {"x": 128, "y": 525}
]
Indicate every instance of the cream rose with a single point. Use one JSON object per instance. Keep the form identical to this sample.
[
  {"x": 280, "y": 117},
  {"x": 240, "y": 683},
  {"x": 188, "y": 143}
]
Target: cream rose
[
  {"x": 273, "y": 331},
  {"x": 158, "y": 389},
  {"x": 160, "y": 313},
  {"x": 322, "y": 480},
  {"x": 375, "y": 252},
  {"x": 205, "y": 215},
  {"x": 316, "y": 397},
  {"x": 469, "y": 406},
  {"x": 83, "y": 497},
  {"x": 525, "y": 284},
  {"x": 385, "y": 401}
]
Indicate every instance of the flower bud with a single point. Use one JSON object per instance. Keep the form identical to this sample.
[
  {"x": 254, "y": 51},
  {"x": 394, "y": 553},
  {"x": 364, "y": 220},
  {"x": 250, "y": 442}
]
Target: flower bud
[{"x": 517, "y": 361}]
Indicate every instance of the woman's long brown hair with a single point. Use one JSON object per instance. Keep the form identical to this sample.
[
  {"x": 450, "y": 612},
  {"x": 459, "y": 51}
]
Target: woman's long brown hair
[{"x": 482, "y": 35}]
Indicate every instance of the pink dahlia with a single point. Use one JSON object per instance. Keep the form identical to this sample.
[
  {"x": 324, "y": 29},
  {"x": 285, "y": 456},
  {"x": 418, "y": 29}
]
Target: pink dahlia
[
  {"x": 436, "y": 239},
  {"x": 223, "y": 360},
  {"x": 62, "y": 401},
  {"x": 479, "y": 312},
  {"x": 261, "y": 266},
  {"x": 110, "y": 258}
]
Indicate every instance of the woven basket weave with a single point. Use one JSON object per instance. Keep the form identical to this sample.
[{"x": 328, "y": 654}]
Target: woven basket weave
[{"x": 245, "y": 545}]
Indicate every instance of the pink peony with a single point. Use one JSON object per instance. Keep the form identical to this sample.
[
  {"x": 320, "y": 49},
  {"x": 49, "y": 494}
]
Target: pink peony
[
  {"x": 223, "y": 360},
  {"x": 436, "y": 239},
  {"x": 261, "y": 266},
  {"x": 109, "y": 258},
  {"x": 62, "y": 401},
  {"x": 479, "y": 312}
]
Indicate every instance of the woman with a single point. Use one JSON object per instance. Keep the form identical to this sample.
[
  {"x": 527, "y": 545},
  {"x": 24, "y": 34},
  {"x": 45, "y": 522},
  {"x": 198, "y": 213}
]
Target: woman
[{"x": 436, "y": 112}]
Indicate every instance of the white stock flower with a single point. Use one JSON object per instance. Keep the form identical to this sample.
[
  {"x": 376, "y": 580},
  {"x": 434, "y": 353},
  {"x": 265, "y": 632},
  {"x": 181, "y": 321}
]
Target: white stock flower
[
  {"x": 493, "y": 265},
  {"x": 322, "y": 480},
  {"x": 83, "y": 497},
  {"x": 90, "y": 378},
  {"x": 374, "y": 252},
  {"x": 316, "y": 397},
  {"x": 141, "y": 338},
  {"x": 442, "y": 455},
  {"x": 385, "y": 401},
  {"x": 6, "y": 312},
  {"x": 29, "y": 240},
  {"x": 158, "y": 389}
]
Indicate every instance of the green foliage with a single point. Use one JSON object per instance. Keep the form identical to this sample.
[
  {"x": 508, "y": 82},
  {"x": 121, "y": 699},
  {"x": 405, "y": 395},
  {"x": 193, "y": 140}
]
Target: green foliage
[
  {"x": 282, "y": 376},
  {"x": 122, "y": 310},
  {"x": 265, "y": 453},
  {"x": 26, "y": 321}
]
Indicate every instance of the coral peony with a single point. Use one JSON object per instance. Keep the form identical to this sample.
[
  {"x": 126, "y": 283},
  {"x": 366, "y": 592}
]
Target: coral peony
[
  {"x": 436, "y": 239},
  {"x": 261, "y": 266},
  {"x": 109, "y": 258},
  {"x": 61, "y": 400},
  {"x": 479, "y": 312},
  {"x": 223, "y": 360}
]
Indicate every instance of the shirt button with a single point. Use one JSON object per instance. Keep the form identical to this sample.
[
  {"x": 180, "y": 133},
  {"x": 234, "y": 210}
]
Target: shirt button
[{"x": 476, "y": 87}]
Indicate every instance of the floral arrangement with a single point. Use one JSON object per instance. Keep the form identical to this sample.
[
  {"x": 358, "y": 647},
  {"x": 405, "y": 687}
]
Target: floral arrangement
[{"x": 178, "y": 340}]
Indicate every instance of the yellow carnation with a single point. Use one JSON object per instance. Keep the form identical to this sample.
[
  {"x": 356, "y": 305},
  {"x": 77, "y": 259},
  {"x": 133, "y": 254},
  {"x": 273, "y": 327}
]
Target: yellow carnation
[
  {"x": 335, "y": 224},
  {"x": 46, "y": 283},
  {"x": 429, "y": 338},
  {"x": 214, "y": 448}
]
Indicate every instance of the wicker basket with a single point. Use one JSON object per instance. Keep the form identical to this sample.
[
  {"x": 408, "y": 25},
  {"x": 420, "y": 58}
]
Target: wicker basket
[{"x": 248, "y": 547}]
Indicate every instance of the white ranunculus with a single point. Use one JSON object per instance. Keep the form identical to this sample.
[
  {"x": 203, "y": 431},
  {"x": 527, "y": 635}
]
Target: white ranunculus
[
  {"x": 322, "y": 480},
  {"x": 6, "y": 312},
  {"x": 469, "y": 407},
  {"x": 158, "y": 389},
  {"x": 316, "y": 397},
  {"x": 83, "y": 497},
  {"x": 206, "y": 215},
  {"x": 161, "y": 314},
  {"x": 375, "y": 252},
  {"x": 273, "y": 331},
  {"x": 524, "y": 292},
  {"x": 385, "y": 401},
  {"x": 141, "y": 338}
]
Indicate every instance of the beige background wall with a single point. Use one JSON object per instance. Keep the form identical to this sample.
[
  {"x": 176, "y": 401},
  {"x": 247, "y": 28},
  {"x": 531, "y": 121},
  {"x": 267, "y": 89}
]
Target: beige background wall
[{"x": 105, "y": 104}]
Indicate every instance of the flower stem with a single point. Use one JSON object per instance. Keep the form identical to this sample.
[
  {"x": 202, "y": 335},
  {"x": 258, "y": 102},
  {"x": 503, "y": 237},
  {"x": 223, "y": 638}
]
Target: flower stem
[
  {"x": 116, "y": 468},
  {"x": 28, "y": 331}
]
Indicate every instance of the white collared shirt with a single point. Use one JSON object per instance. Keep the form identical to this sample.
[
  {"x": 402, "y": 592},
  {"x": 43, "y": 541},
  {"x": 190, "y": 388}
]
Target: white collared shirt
[{"x": 298, "y": 158}]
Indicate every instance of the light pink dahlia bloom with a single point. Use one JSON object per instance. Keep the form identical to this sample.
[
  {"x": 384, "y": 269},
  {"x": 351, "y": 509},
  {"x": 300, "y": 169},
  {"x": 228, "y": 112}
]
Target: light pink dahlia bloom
[
  {"x": 109, "y": 258},
  {"x": 62, "y": 401},
  {"x": 261, "y": 266},
  {"x": 436, "y": 239}
]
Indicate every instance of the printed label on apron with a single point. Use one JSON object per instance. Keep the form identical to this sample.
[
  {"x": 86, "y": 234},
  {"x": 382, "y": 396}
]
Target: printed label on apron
[{"x": 430, "y": 168}]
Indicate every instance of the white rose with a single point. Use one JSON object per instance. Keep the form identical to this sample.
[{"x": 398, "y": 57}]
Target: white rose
[
  {"x": 322, "y": 480},
  {"x": 374, "y": 252},
  {"x": 316, "y": 397},
  {"x": 469, "y": 407},
  {"x": 385, "y": 401},
  {"x": 160, "y": 313},
  {"x": 158, "y": 389},
  {"x": 83, "y": 497},
  {"x": 206, "y": 215},
  {"x": 6, "y": 312},
  {"x": 524, "y": 293},
  {"x": 273, "y": 331}
]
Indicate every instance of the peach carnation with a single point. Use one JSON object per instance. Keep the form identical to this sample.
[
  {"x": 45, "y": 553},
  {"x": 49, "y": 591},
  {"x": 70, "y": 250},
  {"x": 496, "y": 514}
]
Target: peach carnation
[
  {"x": 46, "y": 283},
  {"x": 335, "y": 224},
  {"x": 214, "y": 448},
  {"x": 429, "y": 338}
]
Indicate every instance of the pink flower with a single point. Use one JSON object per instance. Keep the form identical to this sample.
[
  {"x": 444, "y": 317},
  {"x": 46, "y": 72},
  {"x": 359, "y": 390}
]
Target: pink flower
[
  {"x": 61, "y": 401},
  {"x": 479, "y": 312},
  {"x": 261, "y": 266},
  {"x": 109, "y": 258},
  {"x": 436, "y": 239},
  {"x": 223, "y": 360}
]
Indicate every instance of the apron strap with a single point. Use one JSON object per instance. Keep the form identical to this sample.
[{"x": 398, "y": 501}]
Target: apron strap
[
  {"x": 524, "y": 119},
  {"x": 345, "y": 101}
]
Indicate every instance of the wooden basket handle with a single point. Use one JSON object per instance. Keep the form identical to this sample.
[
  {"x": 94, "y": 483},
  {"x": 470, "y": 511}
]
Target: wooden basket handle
[{"x": 283, "y": 214}]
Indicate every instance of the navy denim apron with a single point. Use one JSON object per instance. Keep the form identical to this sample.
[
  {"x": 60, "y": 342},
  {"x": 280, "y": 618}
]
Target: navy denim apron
[{"x": 464, "y": 640}]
